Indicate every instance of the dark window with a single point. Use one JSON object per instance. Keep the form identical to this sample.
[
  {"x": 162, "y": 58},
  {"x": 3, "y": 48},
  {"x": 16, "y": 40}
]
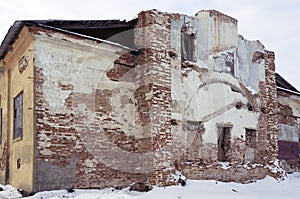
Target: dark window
[
  {"x": 0, "y": 126},
  {"x": 187, "y": 44},
  {"x": 18, "y": 116}
]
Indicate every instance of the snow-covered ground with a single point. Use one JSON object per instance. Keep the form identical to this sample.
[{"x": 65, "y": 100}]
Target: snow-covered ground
[{"x": 194, "y": 189}]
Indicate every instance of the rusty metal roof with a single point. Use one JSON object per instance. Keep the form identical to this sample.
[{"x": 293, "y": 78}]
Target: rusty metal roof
[{"x": 101, "y": 29}]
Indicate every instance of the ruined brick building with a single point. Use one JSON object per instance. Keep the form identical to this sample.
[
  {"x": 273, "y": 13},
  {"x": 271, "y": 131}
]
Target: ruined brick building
[{"x": 91, "y": 104}]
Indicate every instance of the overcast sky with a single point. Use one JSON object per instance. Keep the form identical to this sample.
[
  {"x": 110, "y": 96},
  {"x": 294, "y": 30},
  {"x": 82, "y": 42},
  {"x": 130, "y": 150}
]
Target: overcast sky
[{"x": 274, "y": 22}]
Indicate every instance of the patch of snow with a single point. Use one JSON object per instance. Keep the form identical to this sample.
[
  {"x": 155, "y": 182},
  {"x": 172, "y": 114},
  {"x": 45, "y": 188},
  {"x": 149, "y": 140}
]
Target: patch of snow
[
  {"x": 251, "y": 89},
  {"x": 275, "y": 167},
  {"x": 246, "y": 166},
  {"x": 87, "y": 194},
  {"x": 267, "y": 188},
  {"x": 9, "y": 192},
  {"x": 256, "y": 165},
  {"x": 224, "y": 165},
  {"x": 185, "y": 71},
  {"x": 190, "y": 63}
]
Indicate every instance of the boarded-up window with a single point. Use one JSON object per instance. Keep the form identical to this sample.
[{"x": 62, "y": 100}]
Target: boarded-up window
[
  {"x": 250, "y": 144},
  {"x": 18, "y": 116}
]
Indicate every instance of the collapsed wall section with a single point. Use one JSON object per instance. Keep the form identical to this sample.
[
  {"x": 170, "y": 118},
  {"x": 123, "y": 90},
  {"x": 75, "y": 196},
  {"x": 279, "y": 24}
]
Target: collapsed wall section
[{"x": 223, "y": 101}]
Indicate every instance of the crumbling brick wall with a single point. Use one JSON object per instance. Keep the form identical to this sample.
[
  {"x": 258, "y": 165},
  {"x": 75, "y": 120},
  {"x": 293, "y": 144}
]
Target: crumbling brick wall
[
  {"x": 62, "y": 160},
  {"x": 267, "y": 147},
  {"x": 153, "y": 36}
]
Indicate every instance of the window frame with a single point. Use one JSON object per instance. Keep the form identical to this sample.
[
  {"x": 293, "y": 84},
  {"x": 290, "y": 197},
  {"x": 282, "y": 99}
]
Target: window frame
[{"x": 18, "y": 116}]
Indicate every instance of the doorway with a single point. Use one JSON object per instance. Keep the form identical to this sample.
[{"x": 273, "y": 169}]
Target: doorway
[{"x": 224, "y": 137}]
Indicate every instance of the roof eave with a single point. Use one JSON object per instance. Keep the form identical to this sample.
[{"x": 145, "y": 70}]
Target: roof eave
[{"x": 10, "y": 37}]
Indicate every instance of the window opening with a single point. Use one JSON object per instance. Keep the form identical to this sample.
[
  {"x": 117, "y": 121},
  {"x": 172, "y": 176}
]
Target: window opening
[{"x": 187, "y": 43}]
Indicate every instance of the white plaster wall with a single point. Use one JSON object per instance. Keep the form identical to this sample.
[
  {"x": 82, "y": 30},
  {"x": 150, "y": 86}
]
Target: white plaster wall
[
  {"x": 223, "y": 35},
  {"x": 212, "y": 90},
  {"x": 215, "y": 32},
  {"x": 240, "y": 119},
  {"x": 250, "y": 73},
  {"x": 203, "y": 39},
  {"x": 288, "y": 133}
]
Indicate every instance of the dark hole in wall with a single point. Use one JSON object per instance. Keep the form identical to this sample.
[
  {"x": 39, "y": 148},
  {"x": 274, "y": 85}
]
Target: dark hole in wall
[
  {"x": 229, "y": 61},
  {"x": 172, "y": 54},
  {"x": 239, "y": 105},
  {"x": 234, "y": 89},
  {"x": 173, "y": 122},
  {"x": 19, "y": 163},
  {"x": 249, "y": 106},
  {"x": 263, "y": 110},
  {"x": 257, "y": 57}
]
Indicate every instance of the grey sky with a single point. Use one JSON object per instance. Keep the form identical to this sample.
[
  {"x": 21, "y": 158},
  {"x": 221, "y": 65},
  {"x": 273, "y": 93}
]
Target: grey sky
[{"x": 273, "y": 22}]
